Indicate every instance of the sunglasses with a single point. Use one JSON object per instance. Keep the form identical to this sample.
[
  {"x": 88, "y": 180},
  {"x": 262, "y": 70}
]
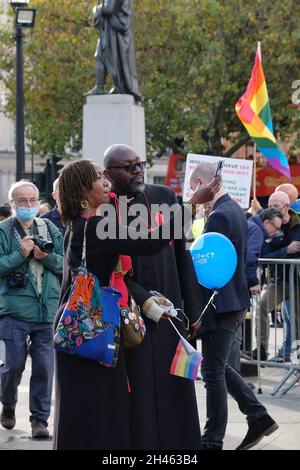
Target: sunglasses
[{"x": 130, "y": 167}]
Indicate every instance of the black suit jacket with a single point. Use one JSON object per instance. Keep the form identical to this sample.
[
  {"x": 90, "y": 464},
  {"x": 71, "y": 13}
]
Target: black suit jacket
[{"x": 228, "y": 218}]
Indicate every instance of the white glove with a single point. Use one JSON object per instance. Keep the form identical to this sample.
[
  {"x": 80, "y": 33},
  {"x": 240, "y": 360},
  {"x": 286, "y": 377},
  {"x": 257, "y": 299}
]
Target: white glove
[{"x": 157, "y": 306}]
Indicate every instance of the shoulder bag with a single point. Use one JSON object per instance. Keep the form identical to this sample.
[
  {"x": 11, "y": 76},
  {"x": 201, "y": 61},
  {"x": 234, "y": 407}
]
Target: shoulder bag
[{"x": 89, "y": 326}]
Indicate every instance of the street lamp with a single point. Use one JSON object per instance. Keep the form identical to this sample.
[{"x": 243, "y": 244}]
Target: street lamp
[{"x": 24, "y": 18}]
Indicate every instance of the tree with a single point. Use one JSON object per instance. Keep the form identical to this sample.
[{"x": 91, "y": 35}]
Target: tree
[
  {"x": 58, "y": 69},
  {"x": 194, "y": 58}
]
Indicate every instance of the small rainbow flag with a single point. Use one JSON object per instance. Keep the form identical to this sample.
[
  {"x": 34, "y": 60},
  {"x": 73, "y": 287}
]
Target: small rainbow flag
[
  {"x": 186, "y": 361},
  {"x": 253, "y": 109}
]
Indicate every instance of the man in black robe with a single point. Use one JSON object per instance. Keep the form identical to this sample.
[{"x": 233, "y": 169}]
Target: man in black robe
[{"x": 163, "y": 406}]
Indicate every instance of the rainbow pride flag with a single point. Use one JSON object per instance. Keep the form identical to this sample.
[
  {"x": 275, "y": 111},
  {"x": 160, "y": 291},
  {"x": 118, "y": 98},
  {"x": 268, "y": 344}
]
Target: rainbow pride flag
[
  {"x": 253, "y": 109},
  {"x": 186, "y": 361}
]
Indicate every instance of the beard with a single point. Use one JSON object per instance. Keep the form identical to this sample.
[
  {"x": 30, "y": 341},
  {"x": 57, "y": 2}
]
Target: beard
[{"x": 137, "y": 184}]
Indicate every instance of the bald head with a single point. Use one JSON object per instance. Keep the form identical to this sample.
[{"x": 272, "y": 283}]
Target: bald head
[
  {"x": 117, "y": 154},
  {"x": 290, "y": 190},
  {"x": 124, "y": 169},
  {"x": 278, "y": 198},
  {"x": 203, "y": 174}
]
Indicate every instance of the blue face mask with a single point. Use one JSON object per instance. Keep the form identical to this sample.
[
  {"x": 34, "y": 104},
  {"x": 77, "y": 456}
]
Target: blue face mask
[{"x": 26, "y": 213}]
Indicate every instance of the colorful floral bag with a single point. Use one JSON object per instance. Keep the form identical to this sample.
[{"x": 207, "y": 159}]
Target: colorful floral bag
[{"x": 90, "y": 323}]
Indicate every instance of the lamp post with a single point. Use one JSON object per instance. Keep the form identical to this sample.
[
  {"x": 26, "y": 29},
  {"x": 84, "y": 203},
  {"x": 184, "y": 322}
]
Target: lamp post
[{"x": 24, "y": 18}]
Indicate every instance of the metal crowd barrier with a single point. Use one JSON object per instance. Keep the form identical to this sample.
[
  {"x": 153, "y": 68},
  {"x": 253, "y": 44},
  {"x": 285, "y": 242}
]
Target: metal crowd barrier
[{"x": 280, "y": 277}]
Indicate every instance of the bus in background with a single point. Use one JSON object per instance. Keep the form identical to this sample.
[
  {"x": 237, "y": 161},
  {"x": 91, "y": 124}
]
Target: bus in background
[{"x": 175, "y": 173}]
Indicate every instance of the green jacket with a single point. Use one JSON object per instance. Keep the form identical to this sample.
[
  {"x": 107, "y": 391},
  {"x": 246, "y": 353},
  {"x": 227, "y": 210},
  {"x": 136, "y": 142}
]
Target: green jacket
[{"x": 25, "y": 303}]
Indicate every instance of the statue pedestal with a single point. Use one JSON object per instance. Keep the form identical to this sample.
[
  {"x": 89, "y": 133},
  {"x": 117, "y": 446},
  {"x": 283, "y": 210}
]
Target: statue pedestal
[{"x": 112, "y": 119}]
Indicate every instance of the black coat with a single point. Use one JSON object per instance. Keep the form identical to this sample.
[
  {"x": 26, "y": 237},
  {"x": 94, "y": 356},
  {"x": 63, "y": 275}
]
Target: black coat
[
  {"x": 228, "y": 218},
  {"x": 92, "y": 401},
  {"x": 163, "y": 407}
]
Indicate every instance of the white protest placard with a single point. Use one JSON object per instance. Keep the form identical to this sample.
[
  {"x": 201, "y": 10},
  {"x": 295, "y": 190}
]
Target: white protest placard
[{"x": 236, "y": 176}]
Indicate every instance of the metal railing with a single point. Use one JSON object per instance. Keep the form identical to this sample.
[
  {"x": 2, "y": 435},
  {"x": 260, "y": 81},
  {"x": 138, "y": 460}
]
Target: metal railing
[{"x": 281, "y": 279}]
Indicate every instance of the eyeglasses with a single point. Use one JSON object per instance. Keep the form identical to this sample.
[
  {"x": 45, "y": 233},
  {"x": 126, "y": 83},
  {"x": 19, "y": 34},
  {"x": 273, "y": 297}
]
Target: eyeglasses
[
  {"x": 130, "y": 167},
  {"x": 24, "y": 201}
]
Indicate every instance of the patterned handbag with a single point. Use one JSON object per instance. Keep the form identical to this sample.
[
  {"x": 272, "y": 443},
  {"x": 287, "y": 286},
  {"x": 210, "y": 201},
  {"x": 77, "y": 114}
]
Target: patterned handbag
[
  {"x": 90, "y": 323},
  {"x": 133, "y": 328}
]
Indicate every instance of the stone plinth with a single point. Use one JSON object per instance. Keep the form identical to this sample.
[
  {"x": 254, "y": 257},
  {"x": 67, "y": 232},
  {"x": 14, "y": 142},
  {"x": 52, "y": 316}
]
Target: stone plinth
[{"x": 112, "y": 119}]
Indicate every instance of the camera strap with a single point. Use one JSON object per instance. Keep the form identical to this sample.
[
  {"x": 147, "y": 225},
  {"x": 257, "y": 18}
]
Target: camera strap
[
  {"x": 48, "y": 228},
  {"x": 36, "y": 268},
  {"x": 20, "y": 233},
  {"x": 17, "y": 230}
]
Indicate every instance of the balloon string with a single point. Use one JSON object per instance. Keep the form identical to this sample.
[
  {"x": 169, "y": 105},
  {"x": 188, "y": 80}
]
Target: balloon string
[
  {"x": 210, "y": 302},
  {"x": 175, "y": 327}
]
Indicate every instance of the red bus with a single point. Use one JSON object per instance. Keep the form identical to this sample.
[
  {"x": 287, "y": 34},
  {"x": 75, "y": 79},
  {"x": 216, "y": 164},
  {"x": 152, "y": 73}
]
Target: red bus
[{"x": 175, "y": 173}]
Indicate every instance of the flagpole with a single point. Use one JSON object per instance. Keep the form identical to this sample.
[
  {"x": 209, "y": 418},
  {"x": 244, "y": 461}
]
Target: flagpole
[
  {"x": 255, "y": 149},
  {"x": 259, "y": 49},
  {"x": 254, "y": 172}
]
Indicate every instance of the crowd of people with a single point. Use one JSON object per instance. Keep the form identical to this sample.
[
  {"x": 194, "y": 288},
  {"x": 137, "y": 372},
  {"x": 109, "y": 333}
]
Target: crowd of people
[{"x": 137, "y": 404}]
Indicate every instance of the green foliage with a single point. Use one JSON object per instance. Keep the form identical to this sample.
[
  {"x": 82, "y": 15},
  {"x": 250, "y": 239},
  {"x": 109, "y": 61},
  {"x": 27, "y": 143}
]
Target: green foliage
[
  {"x": 194, "y": 58},
  {"x": 58, "y": 69}
]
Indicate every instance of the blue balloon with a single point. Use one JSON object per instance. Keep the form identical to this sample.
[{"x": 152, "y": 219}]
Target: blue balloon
[
  {"x": 296, "y": 205},
  {"x": 215, "y": 260}
]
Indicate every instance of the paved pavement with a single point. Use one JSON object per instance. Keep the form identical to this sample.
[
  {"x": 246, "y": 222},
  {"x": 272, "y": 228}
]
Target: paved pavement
[{"x": 285, "y": 410}]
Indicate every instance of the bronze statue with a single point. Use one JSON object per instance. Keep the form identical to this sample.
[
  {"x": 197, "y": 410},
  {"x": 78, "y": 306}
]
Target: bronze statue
[{"x": 115, "y": 50}]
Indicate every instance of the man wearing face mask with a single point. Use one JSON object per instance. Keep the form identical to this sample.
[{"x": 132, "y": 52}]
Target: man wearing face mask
[
  {"x": 287, "y": 245},
  {"x": 30, "y": 262}
]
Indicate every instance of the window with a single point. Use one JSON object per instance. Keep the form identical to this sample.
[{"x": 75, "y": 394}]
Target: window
[{"x": 159, "y": 180}]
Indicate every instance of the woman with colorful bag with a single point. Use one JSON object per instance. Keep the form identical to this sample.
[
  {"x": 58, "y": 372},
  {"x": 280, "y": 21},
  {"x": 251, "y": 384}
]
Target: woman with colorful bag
[{"x": 92, "y": 403}]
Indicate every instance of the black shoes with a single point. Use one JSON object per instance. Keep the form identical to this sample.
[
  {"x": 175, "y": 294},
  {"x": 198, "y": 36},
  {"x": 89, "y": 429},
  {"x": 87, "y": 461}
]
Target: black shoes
[
  {"x": 8, "y": 418},
  {"x": 263, "y": 426},
  {"x": 263, "y": 354},
  {"x": 39, "y": 429}
]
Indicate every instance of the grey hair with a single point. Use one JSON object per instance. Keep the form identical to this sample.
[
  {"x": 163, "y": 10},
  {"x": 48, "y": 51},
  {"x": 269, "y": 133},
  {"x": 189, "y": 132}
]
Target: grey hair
[{"x": 21, "y": 184}]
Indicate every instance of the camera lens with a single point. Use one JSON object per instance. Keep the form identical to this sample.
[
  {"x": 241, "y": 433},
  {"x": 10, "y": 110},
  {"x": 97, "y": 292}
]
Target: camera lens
[
  {"x": 44, "y": 245},
  {"x": 47, "y": 247},
  {"x": 13, "y": 280}
]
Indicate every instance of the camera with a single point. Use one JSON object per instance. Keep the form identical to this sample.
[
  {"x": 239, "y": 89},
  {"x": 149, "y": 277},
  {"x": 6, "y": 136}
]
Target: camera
[
  {"x": 17, "y": 280},
  {"x": 45, "y": 245}
]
